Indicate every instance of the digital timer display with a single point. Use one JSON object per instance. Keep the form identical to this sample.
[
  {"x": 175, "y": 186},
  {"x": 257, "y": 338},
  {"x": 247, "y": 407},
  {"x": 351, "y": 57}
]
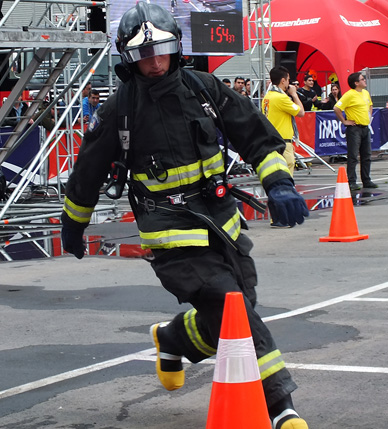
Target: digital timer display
[
  {"x": 217, "y": 32},
  {"x": 220, "y": 34}
]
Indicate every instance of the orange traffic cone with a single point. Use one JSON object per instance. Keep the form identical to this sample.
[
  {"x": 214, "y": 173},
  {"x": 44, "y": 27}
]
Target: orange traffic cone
[
  {"x": 343, "y": 225},
  {"x": 237, "y": 397}
]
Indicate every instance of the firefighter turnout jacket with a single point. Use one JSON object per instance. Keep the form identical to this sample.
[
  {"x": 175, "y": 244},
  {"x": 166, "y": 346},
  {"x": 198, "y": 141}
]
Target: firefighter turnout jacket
[{"x": 173, "y": 153}]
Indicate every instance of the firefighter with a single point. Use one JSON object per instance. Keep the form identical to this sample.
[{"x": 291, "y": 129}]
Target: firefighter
[{"x": 184, "y": 212}]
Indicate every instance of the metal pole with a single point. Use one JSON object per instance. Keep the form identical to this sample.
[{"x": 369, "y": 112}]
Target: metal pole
[
  {"x": 25, "y": 179},
  {"x": 311, "y": 152},
  {"x": 70, "y": 2}
]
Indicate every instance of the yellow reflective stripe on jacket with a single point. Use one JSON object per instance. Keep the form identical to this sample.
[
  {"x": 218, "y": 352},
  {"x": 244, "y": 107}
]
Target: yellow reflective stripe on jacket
[
  {"x": 77, "y": 213},
  {"x": 213, "y": 165},
  {"x": 179, "y": 176},
  {"x": 174, "y": 238},
  {"x": 194, "y": 335},
  {"x": 183, "y": 175},
  {"x": 273, "y": 162},
  {"x": 270, "y": 363},
  {"x": 233, "y": 226}
]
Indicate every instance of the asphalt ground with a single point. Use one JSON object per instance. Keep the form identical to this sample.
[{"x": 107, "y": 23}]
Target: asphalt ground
[{"x": 75, "y": 350}]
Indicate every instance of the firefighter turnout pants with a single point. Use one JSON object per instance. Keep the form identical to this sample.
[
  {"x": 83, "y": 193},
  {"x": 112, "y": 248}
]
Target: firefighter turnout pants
[{"x": 202, "y": 276}]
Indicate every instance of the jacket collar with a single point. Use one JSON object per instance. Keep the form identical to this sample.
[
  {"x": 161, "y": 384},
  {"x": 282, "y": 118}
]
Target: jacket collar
[{"x": 159, "y": 86}]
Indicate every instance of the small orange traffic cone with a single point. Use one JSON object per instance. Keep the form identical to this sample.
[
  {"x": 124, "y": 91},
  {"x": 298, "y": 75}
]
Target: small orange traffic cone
[
  {"x": 237, "y": 397},
  {"x": 343, "y": 225}
]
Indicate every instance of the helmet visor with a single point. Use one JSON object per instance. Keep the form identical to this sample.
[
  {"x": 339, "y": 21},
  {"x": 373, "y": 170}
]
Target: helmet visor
[{"x": 152, "y": 50}]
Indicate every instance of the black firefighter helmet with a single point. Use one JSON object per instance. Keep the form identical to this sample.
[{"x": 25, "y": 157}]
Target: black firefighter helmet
[{"x": 147, "y": 30}]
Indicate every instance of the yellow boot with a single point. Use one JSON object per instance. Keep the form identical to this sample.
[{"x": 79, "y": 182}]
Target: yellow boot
[
  {"x": 168, "y": 366},
  {"x": 289, "y": 419},
  {"x": 296, "y": 423}
]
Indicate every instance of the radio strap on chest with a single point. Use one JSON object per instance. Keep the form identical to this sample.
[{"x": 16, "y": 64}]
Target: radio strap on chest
[
  {"x": 118, "y": 176},
  {"x": 210, "y": 108},
  {"x": 201, "y": 91}
]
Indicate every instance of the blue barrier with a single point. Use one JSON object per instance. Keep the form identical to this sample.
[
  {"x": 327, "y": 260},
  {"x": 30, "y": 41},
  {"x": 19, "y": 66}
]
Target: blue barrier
[
  {"x": 22, "y": 156},
  {"x": 330, "y": 138}
]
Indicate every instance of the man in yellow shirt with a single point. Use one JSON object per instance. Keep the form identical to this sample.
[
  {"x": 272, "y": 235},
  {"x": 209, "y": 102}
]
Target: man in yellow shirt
[
  {"x": 280, "y": 109},
  {"x": 357, "y": 105}
]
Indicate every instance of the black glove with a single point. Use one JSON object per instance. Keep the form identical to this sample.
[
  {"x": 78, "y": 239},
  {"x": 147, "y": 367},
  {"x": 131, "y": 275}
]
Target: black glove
[
  {"x": 287, "y": 207},
  {"x": 72, "y": 240}
]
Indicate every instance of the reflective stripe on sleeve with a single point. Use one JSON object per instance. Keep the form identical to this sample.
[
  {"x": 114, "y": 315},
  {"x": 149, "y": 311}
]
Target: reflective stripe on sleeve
[
  {"x": 273, "y": 162},
  {"x": 194, "y": 335},
  {"x": 77, "y": 213},
  {"x": 270, "y": 363},
  {"x": 174, "y": 238}
]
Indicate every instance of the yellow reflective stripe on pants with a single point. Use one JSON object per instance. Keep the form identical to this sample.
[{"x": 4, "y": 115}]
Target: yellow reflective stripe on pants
[
  {"x": 233, "y": 226},
  {"x": 194, "y": 335},
  {"x": 174, "y": 238},
  {"x": 273, "y": 162},
  {"x": 270, "y": 363},
  {"x": 77, "y": 213}
]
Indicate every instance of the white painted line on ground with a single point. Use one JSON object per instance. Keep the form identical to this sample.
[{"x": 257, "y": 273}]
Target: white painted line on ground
[
  {"x": 369, "y": 299},
  {"x": 323, "y": 304},
  {"x": 143, "y": 355},
  {"x": 322, "y": 188},
  {"x": 342, "y": 368},
  {"x": 149, "y": 354},
  {"x": 318, "y": 367},
  {"x": 195, "y": 7}
]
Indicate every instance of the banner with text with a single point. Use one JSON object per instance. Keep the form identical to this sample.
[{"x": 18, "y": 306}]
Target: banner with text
[{"x": 330, "y": 137}]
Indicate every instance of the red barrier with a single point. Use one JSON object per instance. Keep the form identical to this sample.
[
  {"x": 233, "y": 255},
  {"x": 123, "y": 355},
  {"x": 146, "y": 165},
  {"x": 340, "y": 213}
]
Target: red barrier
[
  {"x": 306, "y": 128},
  {"x": 58, "y": 155}
]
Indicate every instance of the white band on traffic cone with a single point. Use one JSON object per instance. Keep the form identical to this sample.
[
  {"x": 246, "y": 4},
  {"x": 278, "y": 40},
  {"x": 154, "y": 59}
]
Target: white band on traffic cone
[
  {"x": 342, "y": 190},
  {"x": 236, "y": 361}
]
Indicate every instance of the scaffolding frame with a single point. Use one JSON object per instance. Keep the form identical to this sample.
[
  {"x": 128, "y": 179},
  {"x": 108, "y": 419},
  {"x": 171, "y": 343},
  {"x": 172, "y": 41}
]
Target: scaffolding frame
[
  {"x": 56, "y": 43},
  {"x": 260, "y": 47}
]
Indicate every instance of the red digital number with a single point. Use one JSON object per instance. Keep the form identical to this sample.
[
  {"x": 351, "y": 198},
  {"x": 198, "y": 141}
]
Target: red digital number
[
  {"x": 219, "y": 34},
  {"x": 222, "y": 34}
]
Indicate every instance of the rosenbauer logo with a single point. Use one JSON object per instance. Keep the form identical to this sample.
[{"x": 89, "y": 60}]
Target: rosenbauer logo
[
  {"x": 361, "y": 23},
  {"x": 298, "y": 22}
]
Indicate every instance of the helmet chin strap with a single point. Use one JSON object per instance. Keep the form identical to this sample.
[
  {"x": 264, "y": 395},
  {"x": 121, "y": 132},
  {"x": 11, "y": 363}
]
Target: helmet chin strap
[
  {"x": 174, "y": 63},
  {"x": 123, "y": 72}
]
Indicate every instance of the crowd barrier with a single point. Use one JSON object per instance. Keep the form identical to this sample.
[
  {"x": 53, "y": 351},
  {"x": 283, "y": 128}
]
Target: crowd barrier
[
  {"x": 324, "y": 133},
  {"x": 22, "y": 156},
  {"x": 320, "y": 130},
  {"x": 28, "y": 149}
]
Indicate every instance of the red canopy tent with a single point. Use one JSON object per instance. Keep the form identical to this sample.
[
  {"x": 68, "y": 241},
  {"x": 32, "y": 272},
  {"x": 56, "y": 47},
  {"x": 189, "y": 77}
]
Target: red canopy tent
[
  {"x": 340, "y": 36},
  {"x": 380, "y": 5}
]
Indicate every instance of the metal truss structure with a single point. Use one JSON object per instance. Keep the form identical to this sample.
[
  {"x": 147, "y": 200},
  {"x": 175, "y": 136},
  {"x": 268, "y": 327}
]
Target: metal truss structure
[
  {"x": 52, "y": 44},
  {"x": 53, "y": 47},
  {"x": 260, "y": 47}
]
